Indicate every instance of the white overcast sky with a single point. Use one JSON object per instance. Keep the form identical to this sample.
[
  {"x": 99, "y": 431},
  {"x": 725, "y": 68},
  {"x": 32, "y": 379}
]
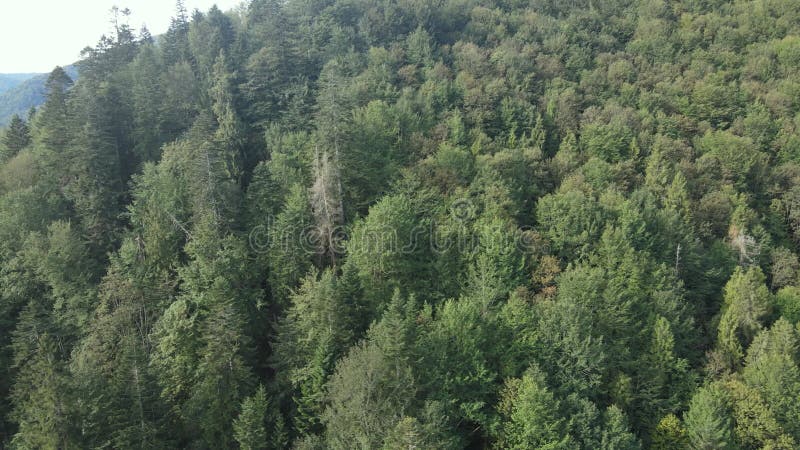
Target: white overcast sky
[{"x": 37, "y": 35}]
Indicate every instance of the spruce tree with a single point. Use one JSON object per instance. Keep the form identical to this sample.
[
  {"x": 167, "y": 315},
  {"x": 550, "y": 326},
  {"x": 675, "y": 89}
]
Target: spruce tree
[
  {"x": 250, "y": 427},
  {"x": 708, "y": 421},
  {"x": 17, "y": 136}
]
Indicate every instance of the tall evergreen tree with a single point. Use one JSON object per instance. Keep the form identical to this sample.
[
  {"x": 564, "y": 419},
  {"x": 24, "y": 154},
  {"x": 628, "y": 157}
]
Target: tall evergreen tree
[
  {"x": 176, "y": 39},
  {"x": 52, "y": 121},
  {"x": 16, "y": 137},
  {"x": 531, "y": 415},
  {"x": 708, "y": 421}
]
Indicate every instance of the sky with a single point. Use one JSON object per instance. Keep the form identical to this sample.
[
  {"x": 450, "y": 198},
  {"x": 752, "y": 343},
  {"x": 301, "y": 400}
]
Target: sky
[{"x": 37, "y": 35}]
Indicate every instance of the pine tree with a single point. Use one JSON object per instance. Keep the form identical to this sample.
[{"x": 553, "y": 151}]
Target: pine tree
[
  {"x": 708, "y": 421},
  {"x": 408, "y": 433},
  {"x": 616, "y": 432},
  {"x": 120, "y": 400},
  {"x": 530, "y": 413},
  {"x": 176, "y": 39},
  {"x": 222, "y": 377},
  {"x": 665, "y": 379},
  {"x": 678, "y": 197},
  {"x": 772, "y": 368},
  {"x": 145, "y": 37},
  {"x": 53, "y": 120},
  {"x": 229, "y": 136},
  {"x": 41, "y": 408},
  {"x": 250, "y": 427},
  {"x": 755, "y": 426},
  {"x": 747, "y": 303},
  {"x": 314, "y": 333},
  {"x": 181, "y": 97},
  {"x": 16, "y": 137},
  {"x": 310, "y": 382},
  {"x": 265, "y": 79},
  {"x": 498, "y": 264},
  {"x": 373, "y": 385},
  {"x": 389, "y": 252},
  {"x": 149, "y": 132},
  {"x": 359, "y": 416},
  {"x": 291, "y": 246},
  {"x": 210, "y": 35},
  {"x": 97, "y": 168},
  {"x": 202, "y": 349}
]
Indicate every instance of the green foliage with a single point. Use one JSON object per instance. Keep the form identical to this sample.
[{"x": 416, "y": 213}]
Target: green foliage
[
  {"x": 755, "y": 425},
  {"x": 209, "y": 35},
  {"x": 572, "y": 221},
  {"x": 708, "y": 420},
  {"x": 52, "y": 120},
  {"x": 388, "y": 250},
  {"x": 25, "y": 96},
  {"x": 771, "y": 368},
  {"x": 530, "y": 414},
  {"x": 230, "y": 132},
  {"x": 176, "y": 39},
  {"x": 407, "y": 434},
  {"x": 787, "y": 301},
  {"x": 250, "y": 427},
  {"x": 289, "y": 251},
  {"x": 666, "y": 379},
  {"x": 110, "y": 365},
  {"x": 616, "y": 433},
  {"x": 669, "y": 434},
  {"x": 316, "y": 331},
  {"x": 41, "y": 408},
  {"x": 457, "y": 353},
  {"x": 376, "y": 224},
  {"x": 16, "y": 137},
  {"x": 608, "y": 142},
  {"x": 747, "y": 302},
  {"x": 369, "y": 157},
  {"x": 360, "y": 414},
  {"x": 739, "y": 160}
]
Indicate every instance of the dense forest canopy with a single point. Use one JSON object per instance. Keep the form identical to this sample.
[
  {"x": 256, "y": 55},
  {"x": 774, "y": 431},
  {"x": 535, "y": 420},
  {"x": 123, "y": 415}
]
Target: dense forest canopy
[{"x": 400, "y": 224}]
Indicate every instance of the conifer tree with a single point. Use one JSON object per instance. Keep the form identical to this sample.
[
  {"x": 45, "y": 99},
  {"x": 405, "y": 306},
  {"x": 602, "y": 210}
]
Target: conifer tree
[
  {"x": 747, "y": 302},
  {"x": 230, "y": 132},
  {"x": 53, "y": 120},
  {"x": 616, "y": 432},
  {"x": 530, "y": 413},
  {"x": 361, "y": 415},
  {"x": 176, "y": 39},
  {"x": 42, "y": 408},
  {"x": 250, "y": 427},
  {"x": 708, "y": 421},
  {"x": 16, "y": 137}
]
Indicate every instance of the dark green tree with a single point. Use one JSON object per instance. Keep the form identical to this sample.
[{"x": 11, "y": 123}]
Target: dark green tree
[
  {"x": 250, "y": 427},
  {"x": 16, "y": 137}
]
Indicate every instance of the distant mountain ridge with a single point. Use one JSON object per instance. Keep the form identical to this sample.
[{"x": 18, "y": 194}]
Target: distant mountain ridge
[
  {"x": 11, "y": 80},
  {"x": 22, "y": 92}
]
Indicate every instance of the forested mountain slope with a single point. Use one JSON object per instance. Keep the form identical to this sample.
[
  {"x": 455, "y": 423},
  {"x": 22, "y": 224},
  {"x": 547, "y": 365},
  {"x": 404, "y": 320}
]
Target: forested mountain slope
[
  {"x": 23, "y": 94},
  {"x": 408, "y": 224},
  {"x": 11, "y": 80}
]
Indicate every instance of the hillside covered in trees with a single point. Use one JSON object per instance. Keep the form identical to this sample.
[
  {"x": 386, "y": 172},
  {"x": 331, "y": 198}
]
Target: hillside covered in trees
[
  {"x": 397, "y": 224},
  {"x": 11, "y": 80},
  {"x": 20, "y": 93}
]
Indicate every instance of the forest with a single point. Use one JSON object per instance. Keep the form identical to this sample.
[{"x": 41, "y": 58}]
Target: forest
[
  {"x": 20, "y": 92},
  {"x": 410, "y": 224}
]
